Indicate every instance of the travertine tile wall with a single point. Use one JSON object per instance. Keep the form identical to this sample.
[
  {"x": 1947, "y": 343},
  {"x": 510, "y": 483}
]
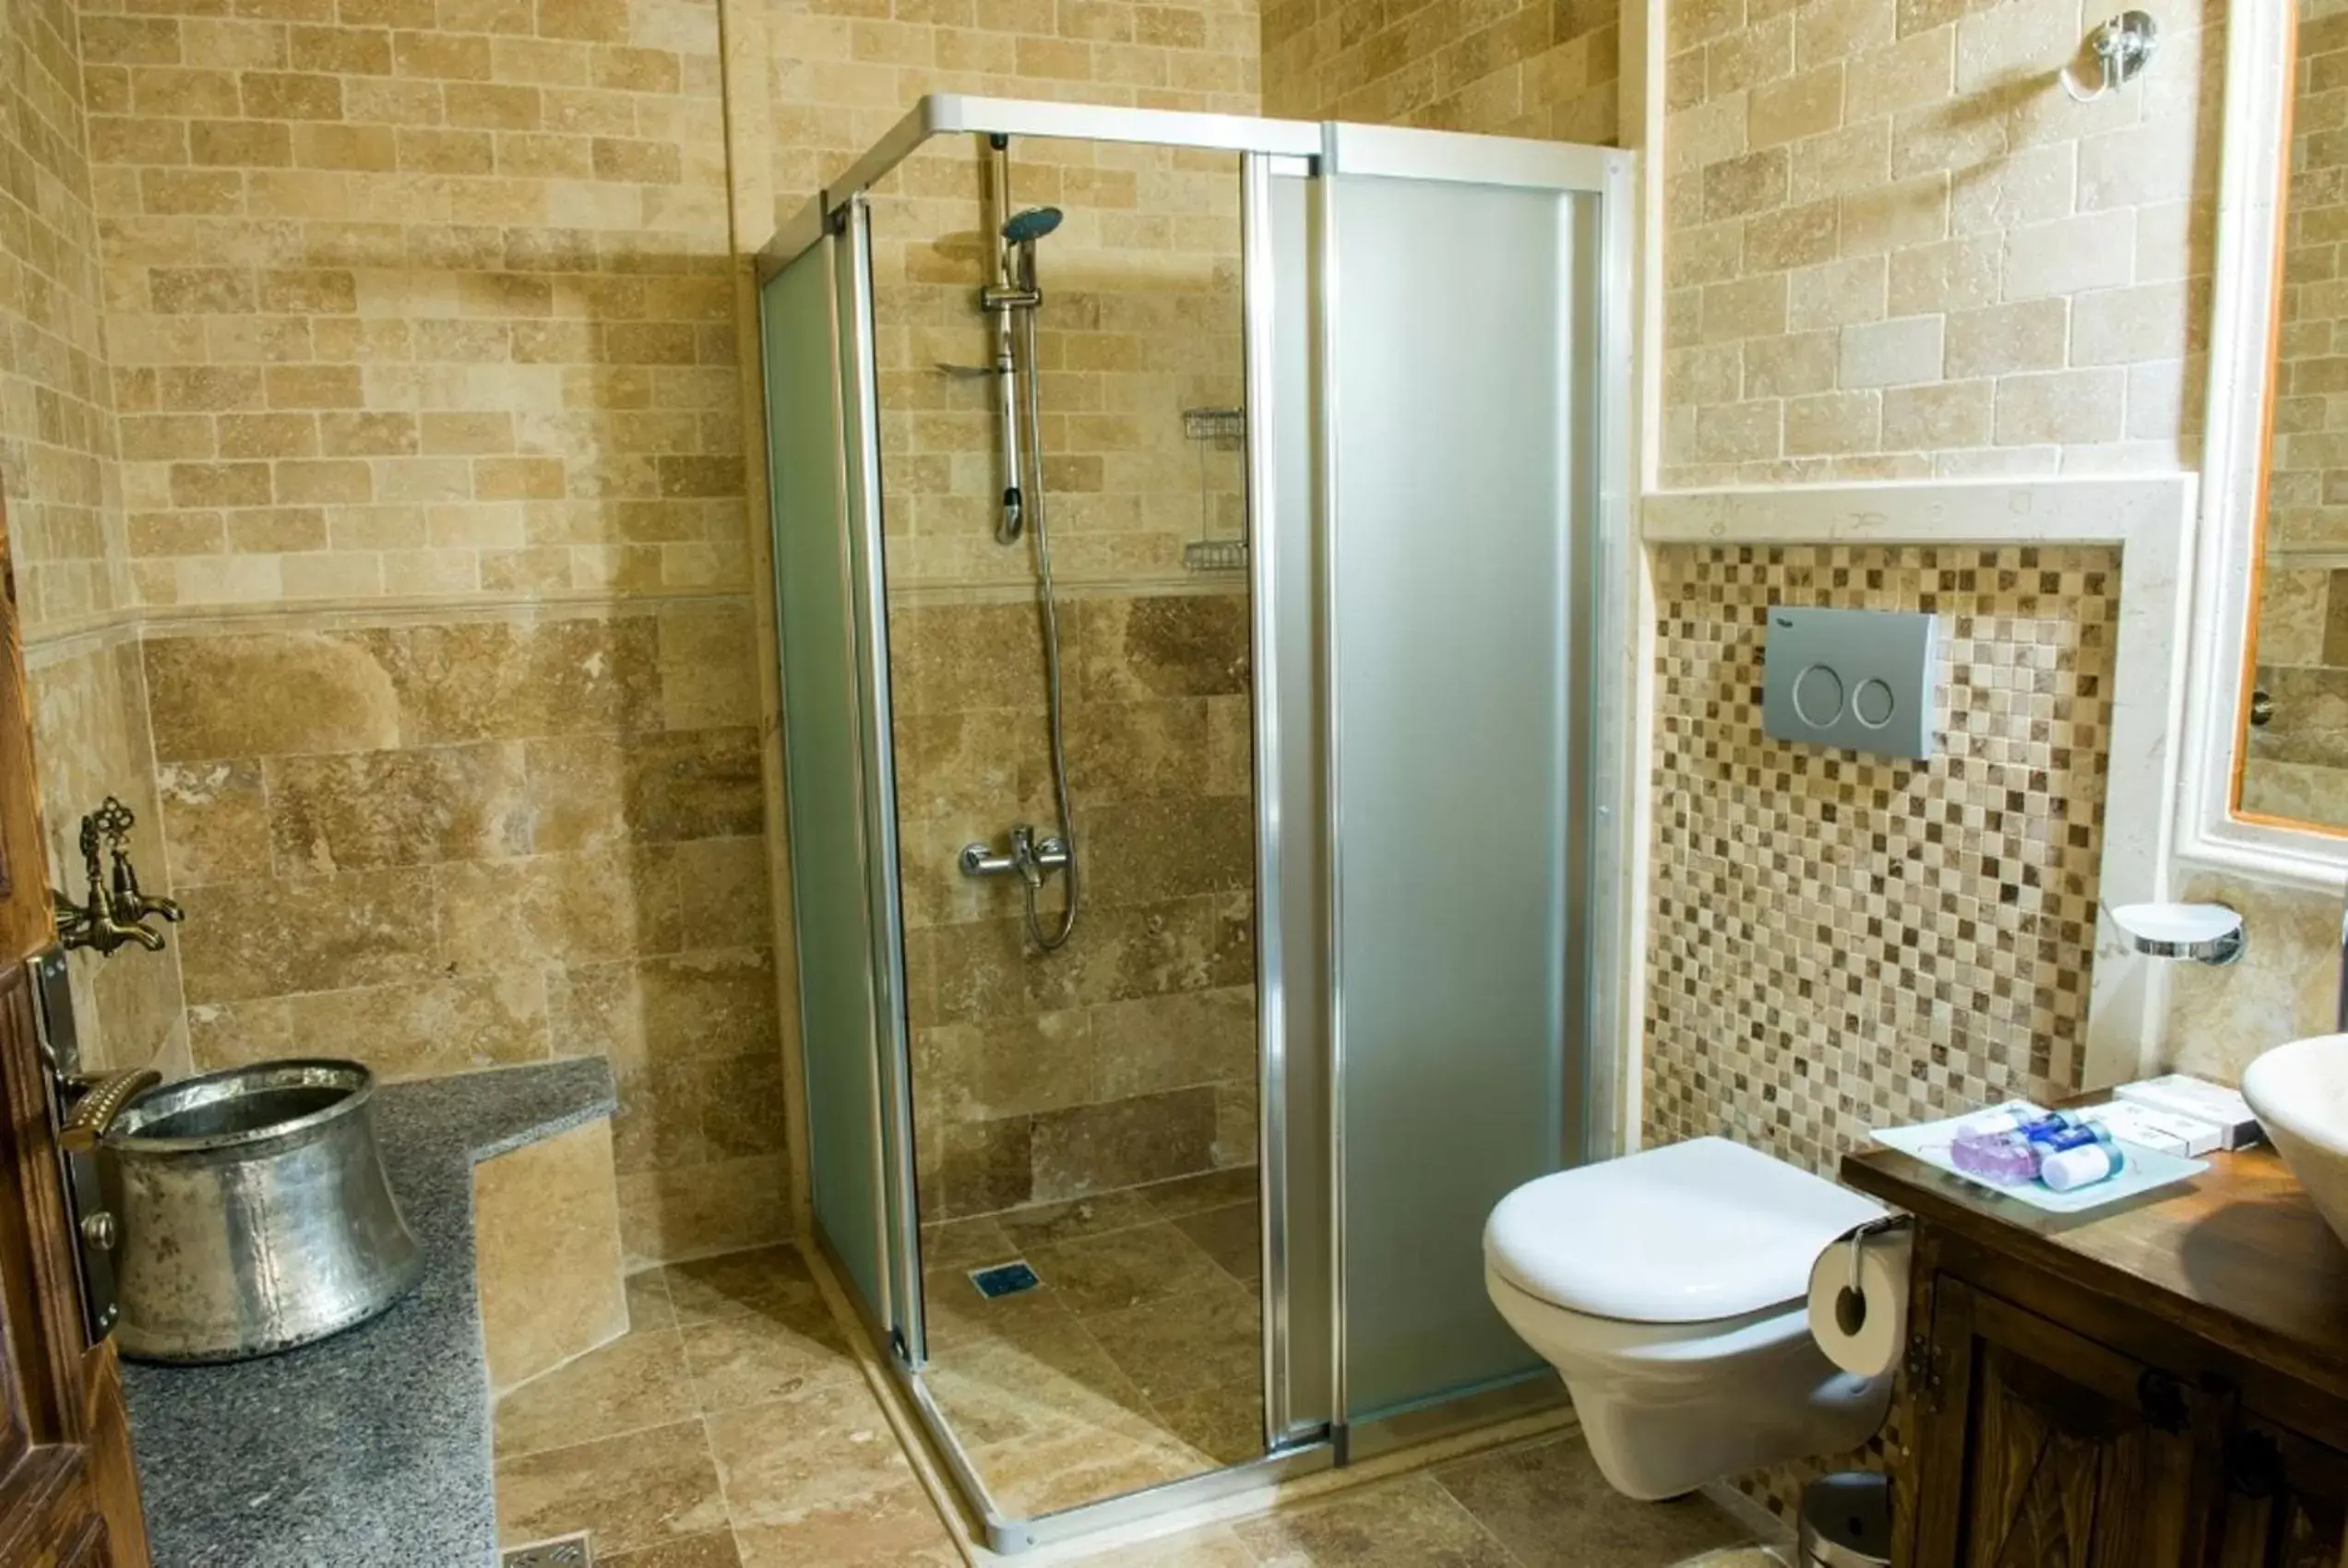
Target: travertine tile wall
[
  {"x": 61, "y": 491},
  {"x": 1547, "y": 68},
  {"x": 2287, "y": 986},
  {"x": 414, "y": 307},
  {"x": 466, "y": 843},
  {"x": 57, "y": 438},
  {"x": 90, "y": 725},
  {"x": 1128, "y": 1057},
  {"x": 1838, "y": 941},
  {"x": 547, "y": 1243},
  {"x": 1894, "y": 247},
  {"x": 409, "y": 299},
  {"x": 2297, "y": 763},
  {"x": 1140, "y": 323}
]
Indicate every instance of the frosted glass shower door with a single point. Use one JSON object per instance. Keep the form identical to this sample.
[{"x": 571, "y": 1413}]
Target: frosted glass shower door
[
  {"x": 1456, "y": 483},
  {"x": 824, "y": 516}
]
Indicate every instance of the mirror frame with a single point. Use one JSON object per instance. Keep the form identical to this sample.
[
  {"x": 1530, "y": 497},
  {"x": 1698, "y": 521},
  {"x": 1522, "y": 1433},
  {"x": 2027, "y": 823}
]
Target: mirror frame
[{"x": 2253, "y": 176}]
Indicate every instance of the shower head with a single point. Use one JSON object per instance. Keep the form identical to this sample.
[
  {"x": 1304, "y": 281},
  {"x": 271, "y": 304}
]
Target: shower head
[{"x": 1027, "y": 227}]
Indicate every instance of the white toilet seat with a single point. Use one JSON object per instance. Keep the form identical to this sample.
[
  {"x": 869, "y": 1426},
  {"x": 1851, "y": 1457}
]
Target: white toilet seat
[
  {"x": 1690, "y": 1232},
  {"x": 1673, "y": 1398}
]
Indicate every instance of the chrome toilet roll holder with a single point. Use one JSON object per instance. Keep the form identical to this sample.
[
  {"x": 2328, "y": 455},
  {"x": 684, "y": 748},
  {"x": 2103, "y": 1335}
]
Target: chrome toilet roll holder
[{"x": 1851, "y": 1303}]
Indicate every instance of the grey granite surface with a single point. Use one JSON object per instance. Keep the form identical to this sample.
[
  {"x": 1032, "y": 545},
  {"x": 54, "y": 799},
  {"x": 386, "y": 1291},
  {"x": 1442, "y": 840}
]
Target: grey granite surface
[{"x": 371, "y": 1448}]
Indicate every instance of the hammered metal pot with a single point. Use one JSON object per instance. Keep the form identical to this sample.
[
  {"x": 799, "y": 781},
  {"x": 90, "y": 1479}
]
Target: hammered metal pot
[{"x": 254, "y": 1213}]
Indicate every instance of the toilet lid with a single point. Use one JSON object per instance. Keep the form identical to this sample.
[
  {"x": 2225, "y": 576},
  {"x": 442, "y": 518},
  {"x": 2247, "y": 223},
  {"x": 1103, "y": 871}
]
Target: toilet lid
[{"x": 1686, "y": 1233}]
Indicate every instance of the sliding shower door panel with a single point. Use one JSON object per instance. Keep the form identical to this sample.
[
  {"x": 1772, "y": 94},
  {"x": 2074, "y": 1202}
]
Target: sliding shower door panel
[
  {"x": 1451, "y": 506},
  {"x": 814, "y": 311}
]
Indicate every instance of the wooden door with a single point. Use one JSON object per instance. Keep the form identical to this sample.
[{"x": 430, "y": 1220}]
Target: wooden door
[
  {"x": 69, "y": 1494},
  {"x": 2286, "y": 1503},
  {"x": 2038, "y": 1448}
]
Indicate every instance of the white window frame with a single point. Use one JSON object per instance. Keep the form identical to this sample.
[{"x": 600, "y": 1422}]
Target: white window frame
[{"x": 2249, "y": 242}]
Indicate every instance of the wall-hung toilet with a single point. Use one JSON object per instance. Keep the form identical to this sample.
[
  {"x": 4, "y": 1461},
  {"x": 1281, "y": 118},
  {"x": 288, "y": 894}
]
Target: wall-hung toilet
[{"x": 1668, "y": 1288}]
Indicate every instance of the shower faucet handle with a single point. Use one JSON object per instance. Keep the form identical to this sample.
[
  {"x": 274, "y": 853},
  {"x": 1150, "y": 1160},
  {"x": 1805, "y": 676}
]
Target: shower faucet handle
[{"x": 1029, "y": 858}]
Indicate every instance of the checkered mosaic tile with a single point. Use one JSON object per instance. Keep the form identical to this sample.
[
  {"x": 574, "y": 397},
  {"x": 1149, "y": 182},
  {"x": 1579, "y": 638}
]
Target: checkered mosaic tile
[{"x": 1838, "y": 941}]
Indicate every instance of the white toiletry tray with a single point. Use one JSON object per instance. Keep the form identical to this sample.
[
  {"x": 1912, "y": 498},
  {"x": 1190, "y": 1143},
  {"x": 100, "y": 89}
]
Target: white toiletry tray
[{"x": 2146, "y": 1170}]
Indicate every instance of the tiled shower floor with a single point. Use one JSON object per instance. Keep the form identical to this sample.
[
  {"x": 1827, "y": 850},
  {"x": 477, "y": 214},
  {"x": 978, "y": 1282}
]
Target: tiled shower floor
[
  {"x": 731, "y": 1428},
  {"x": 1137, "y": 1360}
]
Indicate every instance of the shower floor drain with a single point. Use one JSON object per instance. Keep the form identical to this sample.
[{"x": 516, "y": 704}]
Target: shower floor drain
[
  {"x": 1005, "y": 1279},
  {"x": 571, "y": 1552}
]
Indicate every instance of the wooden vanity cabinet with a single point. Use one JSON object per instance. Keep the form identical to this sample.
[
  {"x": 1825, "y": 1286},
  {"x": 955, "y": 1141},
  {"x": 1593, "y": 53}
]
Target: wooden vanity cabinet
[
  {"x": 2286, "y": 1501},
  {"x": 2036, "y": 1445},
  {"x": 2166, "y": 1387}
]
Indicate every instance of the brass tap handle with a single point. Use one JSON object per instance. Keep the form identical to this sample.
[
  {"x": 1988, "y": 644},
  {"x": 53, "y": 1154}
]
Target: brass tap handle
[
  {"x": 104, "y": 1100},
  {"x": 117, "y": 919}
]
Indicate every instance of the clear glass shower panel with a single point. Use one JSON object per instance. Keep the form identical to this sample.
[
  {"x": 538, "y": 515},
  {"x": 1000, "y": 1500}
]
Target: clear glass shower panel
[
  {"x": 831, "y": 863},
  {"x": 1449, "y": 402},
  {"x": 1083, "y": 1095}
]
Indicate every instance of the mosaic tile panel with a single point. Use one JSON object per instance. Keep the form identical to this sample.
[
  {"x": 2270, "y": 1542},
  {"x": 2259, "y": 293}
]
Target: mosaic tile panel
[{"x": 1838, "y": 941}]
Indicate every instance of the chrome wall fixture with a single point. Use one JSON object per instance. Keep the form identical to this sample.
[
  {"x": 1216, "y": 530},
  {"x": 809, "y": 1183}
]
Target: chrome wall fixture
[
  {"x": 2123, "y": 47},
  {"x": 1011, "y": 301},
  {"x": 1335, "y": 220}
]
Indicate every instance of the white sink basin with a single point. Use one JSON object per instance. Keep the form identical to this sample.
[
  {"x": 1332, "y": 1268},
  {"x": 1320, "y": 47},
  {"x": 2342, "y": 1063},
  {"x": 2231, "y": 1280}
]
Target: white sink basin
[{"x": 2300, "y": 1092}]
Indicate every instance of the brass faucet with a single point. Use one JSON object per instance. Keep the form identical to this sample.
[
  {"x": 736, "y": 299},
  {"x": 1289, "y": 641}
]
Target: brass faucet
[{"x": 118, "y": 917}]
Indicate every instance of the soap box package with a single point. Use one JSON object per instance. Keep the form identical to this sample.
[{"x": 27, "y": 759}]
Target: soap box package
[
  {"x": 2139, "y": 1123},
  {"x": 2201, "y": 1099}
]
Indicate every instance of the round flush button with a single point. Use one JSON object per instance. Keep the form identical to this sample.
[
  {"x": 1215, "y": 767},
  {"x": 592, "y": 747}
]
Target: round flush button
[
  {"x": 1817, "y": 695},
  {"x": 1872, "y": 703}
]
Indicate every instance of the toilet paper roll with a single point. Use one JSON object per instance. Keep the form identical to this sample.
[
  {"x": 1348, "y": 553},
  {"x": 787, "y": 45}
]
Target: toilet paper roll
[{"x": 1864, "y": 1332}]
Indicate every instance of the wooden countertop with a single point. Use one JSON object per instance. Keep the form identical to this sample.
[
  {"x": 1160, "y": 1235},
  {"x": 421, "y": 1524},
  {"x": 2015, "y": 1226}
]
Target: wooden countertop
[{"x": 2237, "y": 1257}]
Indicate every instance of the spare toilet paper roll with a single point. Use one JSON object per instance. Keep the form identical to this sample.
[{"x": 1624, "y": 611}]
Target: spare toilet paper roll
[{"x": 1867, "y": 1331}]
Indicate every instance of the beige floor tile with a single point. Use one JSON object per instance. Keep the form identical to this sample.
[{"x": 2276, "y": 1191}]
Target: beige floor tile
[
  {"x": 1214, "y": 1547},
  {"x": 961, "y": 1244},
  {"x": 1202, "y": 1338},
  {"x": 957, "y": 1315},
  {"x": 1123, "y": 1269},
  {"x": 1049, "y": 1470},
  {"x": 1229, "y": 1236},
  {"x": 1043, "y": 1224},
  {"x": 648, "y": 1302},
  {"x": 824, "y": 1446},
  {"x": 748, "y": 1358},
  {"x": 637, "y": 1381},
  {"x": 896, "y": 1529},
  {"x": 632, "y": 1491},
  {"x": 1225, "y": 1423},
  {"x": 756, "y": 1281},
  {"x": 1521, "y": 1495},
  {"x": 1407, "y": 1523},
  {"x": 1195, "y": 1194},
  {"x": 716, "y": 1551},
  {"x": 997, "y": 1390}
]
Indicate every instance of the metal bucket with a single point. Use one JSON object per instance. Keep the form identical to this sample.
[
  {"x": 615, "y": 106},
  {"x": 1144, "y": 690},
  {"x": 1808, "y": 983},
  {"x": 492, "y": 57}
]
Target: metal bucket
[
  {"x": 254, "y": 1212},
  {"x": 1846, "y": 1520}
]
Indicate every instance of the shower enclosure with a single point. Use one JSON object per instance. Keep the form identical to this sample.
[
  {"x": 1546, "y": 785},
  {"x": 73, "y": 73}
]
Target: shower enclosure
[{"x": 1200, "y": 560}]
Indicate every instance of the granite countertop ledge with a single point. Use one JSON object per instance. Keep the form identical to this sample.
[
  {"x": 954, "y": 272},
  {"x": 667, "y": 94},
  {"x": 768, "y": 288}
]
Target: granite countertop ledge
[{"x": 371, "y": 1446}]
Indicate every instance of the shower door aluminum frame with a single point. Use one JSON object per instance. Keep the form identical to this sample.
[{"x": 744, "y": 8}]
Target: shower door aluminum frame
[
  {"x": 1593, "y": 487},
  {"x": 845, "y": 241},
  {"x": 1284, "y": 607}
]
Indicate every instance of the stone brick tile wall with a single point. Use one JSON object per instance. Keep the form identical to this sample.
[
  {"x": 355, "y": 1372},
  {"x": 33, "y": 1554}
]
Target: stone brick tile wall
[
  {"x": 1894, "y": 247},
  {"x": 1547, "y": 70},
  {"x": 463, "y": 843},
  {"x": 1128, "y": 1056},
  {"x": 411, "y": 299}
]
